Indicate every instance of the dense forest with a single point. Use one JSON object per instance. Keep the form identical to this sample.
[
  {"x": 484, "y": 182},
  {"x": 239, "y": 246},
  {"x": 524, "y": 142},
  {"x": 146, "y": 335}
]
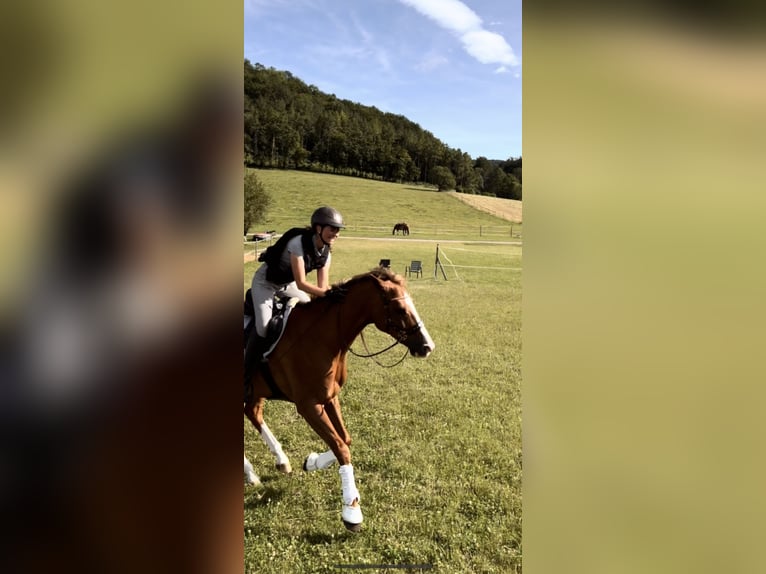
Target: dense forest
[{"x": 291, "y": 125}]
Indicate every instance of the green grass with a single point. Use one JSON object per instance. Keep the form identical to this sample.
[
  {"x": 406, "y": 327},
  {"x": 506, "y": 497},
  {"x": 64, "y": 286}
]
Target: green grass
[
  {"x": 437, "y": 442},
  {"x": 371, "y": 208}
]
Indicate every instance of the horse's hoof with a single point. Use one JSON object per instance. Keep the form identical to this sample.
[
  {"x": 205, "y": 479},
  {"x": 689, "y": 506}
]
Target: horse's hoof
[
  {"x": 310, "y": 464},
  {"x": 285, "y": 468},
  {"x": 352, "y": 516},
  {"x": 252, "y": 478},
  {"x": 352, "y": 527}
]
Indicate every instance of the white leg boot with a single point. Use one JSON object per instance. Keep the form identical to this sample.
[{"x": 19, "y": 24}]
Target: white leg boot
[
  {"x": 250, "y": 476},
  {"x": 352, "y": 512},
  {"x": 316, "y": 461},
  {"x": 283, "y": 463}
]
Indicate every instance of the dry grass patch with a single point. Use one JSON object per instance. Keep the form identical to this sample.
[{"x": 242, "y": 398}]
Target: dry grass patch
[{"x": 508, "y": 209}]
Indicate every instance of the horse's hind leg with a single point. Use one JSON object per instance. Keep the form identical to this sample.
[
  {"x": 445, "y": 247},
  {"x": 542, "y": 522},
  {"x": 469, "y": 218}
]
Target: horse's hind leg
[
  {"x": 250, "y": 476},
  {"x": 283, "y": 463},
  {"x": 255, "y": 414}
]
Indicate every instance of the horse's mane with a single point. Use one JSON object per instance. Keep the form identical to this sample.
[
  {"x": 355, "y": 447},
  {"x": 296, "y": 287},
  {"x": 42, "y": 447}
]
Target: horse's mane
[{"x": 381, "y": 273}]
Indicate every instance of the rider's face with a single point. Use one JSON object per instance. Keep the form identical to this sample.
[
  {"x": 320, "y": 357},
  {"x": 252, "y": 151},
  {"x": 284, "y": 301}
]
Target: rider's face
[{"x": 330, "y": 233}]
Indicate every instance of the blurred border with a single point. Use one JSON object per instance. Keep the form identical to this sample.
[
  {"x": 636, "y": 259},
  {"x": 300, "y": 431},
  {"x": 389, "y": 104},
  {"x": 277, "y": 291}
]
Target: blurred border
[
  {"x": 120, "y": 301},
  {"x": 643, "y": 307}
]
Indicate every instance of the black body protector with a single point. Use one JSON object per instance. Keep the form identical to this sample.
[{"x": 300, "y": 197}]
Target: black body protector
[{"x": 279, "y": 273}]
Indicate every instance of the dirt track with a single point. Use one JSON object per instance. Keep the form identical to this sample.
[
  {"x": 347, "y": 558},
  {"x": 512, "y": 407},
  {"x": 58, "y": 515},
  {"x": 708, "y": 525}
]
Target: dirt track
[
  {"x": 508, "y": 209},
  {"x": 251, "y": 256}
]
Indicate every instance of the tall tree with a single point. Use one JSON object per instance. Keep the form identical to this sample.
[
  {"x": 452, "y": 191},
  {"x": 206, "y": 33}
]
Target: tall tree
[
  {"x": 442, "y": 177},
  {"x": 256, "y": 201},
  {"x": 289, "y": 124}
]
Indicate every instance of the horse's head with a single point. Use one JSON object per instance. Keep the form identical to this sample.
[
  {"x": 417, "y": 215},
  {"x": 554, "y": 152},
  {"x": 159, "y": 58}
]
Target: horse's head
[{"x": 398, "y": 316}]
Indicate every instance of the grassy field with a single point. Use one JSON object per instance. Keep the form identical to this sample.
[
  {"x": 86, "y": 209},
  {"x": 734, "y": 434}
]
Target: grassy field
[
  {"x": 371, "y": 208},
  {"x": 437, "y": 442}
]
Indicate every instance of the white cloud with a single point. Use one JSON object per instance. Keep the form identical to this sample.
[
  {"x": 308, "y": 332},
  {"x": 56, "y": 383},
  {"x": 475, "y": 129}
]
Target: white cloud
[
  {"x": 488, "y": 47},
  {"x": 450, "y": 14},
  {"x": 485, "y": 46},
  {"x": 254, "y": 6},
  {"x": 431, "y": 62},
  {"x": 379, "y": 53}
]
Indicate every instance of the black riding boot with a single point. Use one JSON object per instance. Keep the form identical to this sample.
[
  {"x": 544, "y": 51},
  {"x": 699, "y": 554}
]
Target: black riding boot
[{"x": 253, "y": 356}]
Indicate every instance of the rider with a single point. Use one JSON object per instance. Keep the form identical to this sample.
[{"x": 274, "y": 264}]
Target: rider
[{"x": 283, "y": 272}]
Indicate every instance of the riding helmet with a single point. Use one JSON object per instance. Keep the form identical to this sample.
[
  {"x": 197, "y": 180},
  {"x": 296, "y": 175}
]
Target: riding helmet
[{"x": 327, "y": 216}]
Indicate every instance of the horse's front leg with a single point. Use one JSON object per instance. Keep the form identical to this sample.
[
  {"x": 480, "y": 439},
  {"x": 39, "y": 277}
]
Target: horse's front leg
[
  {"x": 316, "y": 461},
  {"x": 254, "y": 413},
  {"x": 336, "y": 417},
  {"x": 318, "y": 419}
]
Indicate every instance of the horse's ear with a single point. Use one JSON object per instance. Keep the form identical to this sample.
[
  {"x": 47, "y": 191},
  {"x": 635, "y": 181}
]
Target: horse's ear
[{"x": 381, "y": 274}]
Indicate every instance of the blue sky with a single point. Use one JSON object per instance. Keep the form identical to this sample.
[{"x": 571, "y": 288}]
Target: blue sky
[{"x": 451, "y": 66}]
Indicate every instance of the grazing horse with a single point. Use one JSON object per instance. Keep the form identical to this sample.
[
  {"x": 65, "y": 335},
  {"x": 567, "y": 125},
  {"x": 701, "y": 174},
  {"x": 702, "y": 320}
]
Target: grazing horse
[
  {"x": 403, "y": 227},
  {"x": 308, "y": 368}
]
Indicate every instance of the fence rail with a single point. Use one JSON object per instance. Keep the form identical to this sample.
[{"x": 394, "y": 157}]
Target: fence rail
[{"x": 512, "y": 230}]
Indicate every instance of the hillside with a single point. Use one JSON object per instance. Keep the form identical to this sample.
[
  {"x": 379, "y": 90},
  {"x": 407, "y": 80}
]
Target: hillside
[
  {"x": 291, "y": 125},
  {"x": 371, "y": 208}
]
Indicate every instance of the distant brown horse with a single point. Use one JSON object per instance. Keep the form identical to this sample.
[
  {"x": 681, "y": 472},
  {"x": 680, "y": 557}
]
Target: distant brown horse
[
  {"x": 308, "y": 368},
  {"x": 403, "y": 227}
]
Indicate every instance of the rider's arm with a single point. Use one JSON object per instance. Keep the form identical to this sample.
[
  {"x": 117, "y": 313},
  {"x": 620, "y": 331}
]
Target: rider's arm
[
  {"x": 299, "y": 273},
  {"x": 323, "y": 276}
]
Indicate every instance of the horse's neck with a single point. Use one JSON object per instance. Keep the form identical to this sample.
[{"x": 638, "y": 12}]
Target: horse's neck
[
  {"x": 356, "y": 312},
  {"x": 346, "y": 319}
]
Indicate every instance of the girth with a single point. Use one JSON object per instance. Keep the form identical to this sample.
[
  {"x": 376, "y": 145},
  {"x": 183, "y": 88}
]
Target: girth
[{"x": 276, "y": 392}]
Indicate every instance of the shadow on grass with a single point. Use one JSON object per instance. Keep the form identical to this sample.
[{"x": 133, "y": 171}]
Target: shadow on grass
[
  {"x": 257, "y": 497},
  {"x": 325, "y": 537}
]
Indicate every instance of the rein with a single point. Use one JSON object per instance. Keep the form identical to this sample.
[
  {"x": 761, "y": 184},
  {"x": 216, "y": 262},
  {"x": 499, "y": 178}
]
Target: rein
[
  {"x": 404, "y": 333},
  {"x": 372, "y": 356}
]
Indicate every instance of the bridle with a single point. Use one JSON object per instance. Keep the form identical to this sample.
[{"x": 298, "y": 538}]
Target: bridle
[{"x": 401, "y": 335}]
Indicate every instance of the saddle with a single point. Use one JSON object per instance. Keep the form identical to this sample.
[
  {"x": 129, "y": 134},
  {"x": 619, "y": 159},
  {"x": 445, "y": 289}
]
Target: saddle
[{"x": 282, "y": 307}]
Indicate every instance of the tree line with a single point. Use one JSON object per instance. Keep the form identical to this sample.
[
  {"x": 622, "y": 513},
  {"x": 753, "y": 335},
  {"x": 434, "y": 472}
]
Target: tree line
[{"x": 292, "y": 125}]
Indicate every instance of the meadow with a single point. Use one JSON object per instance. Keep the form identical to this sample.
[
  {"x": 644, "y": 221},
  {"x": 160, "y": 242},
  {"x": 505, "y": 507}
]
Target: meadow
[
  {"x": 436, "y": 442},
  {"x": 371, "y": 208}
]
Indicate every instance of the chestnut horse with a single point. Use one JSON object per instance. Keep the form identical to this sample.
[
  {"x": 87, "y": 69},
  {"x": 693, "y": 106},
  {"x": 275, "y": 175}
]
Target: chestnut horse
[
  {"x": 403, "y": 227},
  {"x": 308, "y": 368}
]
